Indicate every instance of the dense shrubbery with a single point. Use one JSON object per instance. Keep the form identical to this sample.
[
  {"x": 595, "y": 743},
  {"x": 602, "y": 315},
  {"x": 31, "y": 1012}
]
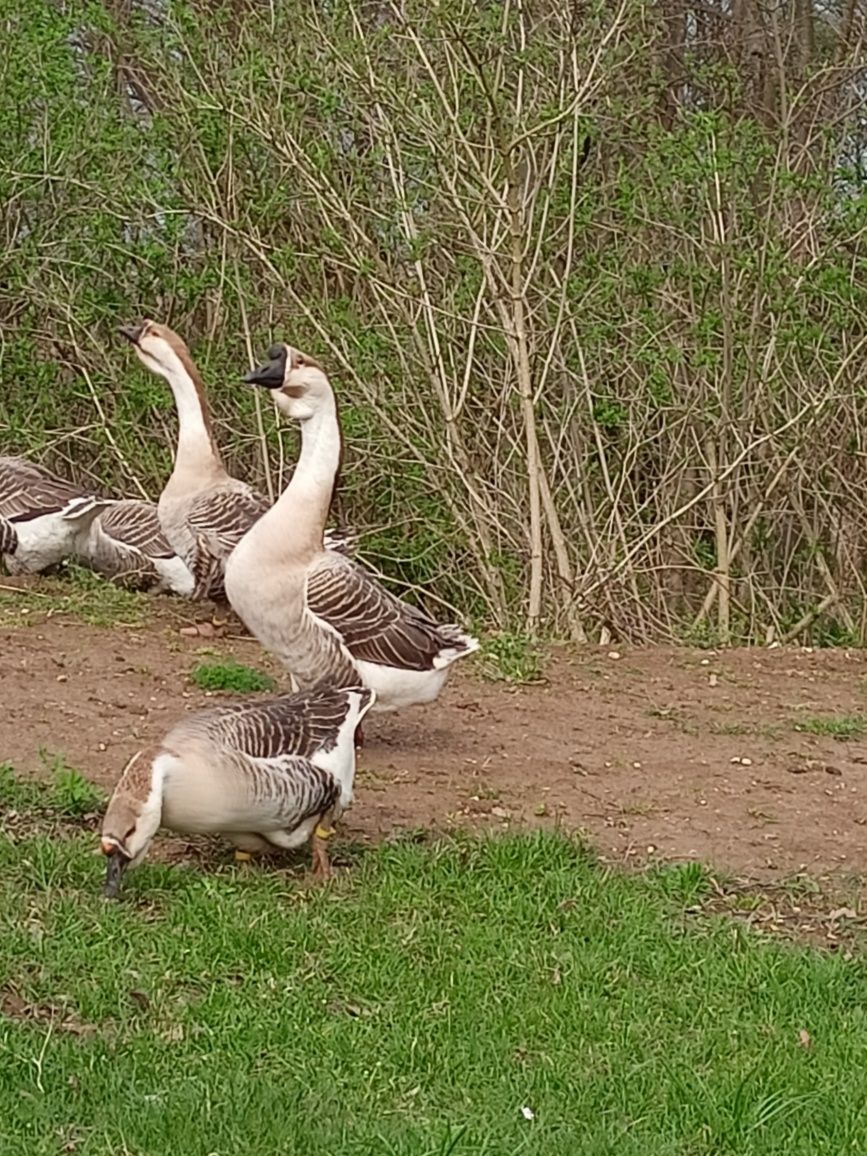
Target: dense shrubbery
[{"x": 590, "y": 282}]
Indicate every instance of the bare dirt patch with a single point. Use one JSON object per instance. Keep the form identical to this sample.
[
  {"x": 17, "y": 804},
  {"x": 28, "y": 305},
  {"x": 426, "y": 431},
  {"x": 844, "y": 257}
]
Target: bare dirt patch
[{"x": 655, "y": 754}]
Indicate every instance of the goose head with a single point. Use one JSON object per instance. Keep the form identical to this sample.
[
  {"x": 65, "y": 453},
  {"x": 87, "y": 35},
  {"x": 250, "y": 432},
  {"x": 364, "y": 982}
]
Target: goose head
[
  {"x": 297, "y": 382},
  {"x": 131, "y": 821},
  {"x": 159, "y": 348}
]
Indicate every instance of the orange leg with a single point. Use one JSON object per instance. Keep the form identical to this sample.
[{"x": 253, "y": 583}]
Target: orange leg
[
  {"x": 321, "y": 864},
  {"x": 321, "y": 834}
]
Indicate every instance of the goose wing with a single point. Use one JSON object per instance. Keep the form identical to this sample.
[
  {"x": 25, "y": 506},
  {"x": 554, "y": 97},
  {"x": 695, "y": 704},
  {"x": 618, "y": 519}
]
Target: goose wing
[
  {"x": 136, "y": 524},
  {"x": 8, "y": 537},
  {"x": 341, "y": 539},
  {"x": 219, "y": 519},
  {"x": 29, "y": 491},
  {"x": 375, "y": 626},
  {"x": 298, "y": 724}
]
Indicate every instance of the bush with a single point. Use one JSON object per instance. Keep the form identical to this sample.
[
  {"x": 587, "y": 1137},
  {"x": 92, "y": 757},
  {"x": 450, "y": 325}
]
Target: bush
[{"x": 591, "y": 305}]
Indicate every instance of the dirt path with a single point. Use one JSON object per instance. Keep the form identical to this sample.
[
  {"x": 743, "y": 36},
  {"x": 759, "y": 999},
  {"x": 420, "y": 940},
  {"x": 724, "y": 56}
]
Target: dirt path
[{"x": 655, "y": 754}]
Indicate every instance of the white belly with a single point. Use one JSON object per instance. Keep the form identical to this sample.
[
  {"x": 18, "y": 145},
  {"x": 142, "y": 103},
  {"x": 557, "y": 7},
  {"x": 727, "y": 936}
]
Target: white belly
[
  {"x": 399, "y": 688},
  {"x": 42, "y": 542},
  {"x": 189, "y": 808},
  {"x": 174, "y": 576}
]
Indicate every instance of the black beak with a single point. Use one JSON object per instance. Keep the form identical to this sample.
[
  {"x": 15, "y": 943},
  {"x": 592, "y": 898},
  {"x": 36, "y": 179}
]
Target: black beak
[
  {"x": 273, "y": 372},
  {"x": 131, "y": 332},
  {"x": 115, "y": 867}
]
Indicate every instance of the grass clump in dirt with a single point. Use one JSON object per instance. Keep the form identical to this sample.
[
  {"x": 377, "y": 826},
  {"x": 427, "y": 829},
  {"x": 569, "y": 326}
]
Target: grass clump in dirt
[
  {"x": 843, "y": 727},
  {"x": 70, "y": 793},
  {"x": 232, "y": 676},
  {"x": 76, "y": 591},
  {"x": 67, "y": 793},
  {"x": 471, "y": 997},
  {"x": 515, "y": 658}
]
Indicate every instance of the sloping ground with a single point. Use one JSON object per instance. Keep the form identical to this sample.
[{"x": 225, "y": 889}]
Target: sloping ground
[{"x": 656, "y": 754}]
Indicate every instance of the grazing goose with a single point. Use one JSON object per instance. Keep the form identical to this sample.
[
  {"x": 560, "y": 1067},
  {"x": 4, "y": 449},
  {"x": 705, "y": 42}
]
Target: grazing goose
[
  {"x": 321, "y": 614},
  {"x": 126, "y": 541},
  {"x": 203, "y": 511},
  {"x": 43, "y": 514},
  {"x": 263, "y": 774}
]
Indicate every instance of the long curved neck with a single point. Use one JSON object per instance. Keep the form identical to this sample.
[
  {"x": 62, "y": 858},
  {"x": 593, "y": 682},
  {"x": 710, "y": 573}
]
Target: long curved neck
[
  {"x": 197, "y": 451},
  {"x": 305, "y": 502}
]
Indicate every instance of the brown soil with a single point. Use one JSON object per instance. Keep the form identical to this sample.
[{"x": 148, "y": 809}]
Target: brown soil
[{"x": 655, "y": 754}]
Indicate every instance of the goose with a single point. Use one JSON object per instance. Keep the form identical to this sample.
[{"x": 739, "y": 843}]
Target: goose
[
  {"x": 204, "y": 512},
  {"x": 126, "y": 541},
  {"x": 325, "y": 617},
  {"x": 44, "y": 515},
  {"x": 264, "y": 775},
  {"x": 121, "y": 538}
]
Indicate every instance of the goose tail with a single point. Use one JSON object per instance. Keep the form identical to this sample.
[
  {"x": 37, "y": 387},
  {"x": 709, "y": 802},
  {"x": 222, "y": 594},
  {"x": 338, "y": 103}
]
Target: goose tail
[
  {"x": 82, "y": 511},
  {"x": 361, "y": 699},
  {"x": 456, "y": 644}
]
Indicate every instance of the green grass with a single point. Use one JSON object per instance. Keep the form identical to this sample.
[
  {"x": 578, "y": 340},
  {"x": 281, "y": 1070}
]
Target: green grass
[
  {"x": 412, "y": 1008},
  {"x": 230, "y": 675},
  {"x": 77, "y": 592},
  {"x": 514, "y": 658},
  {"x": 68, "y": 793},
  {"x": 843, "y": 727},
  {"x": 18, "y": 793},
  {"x": 759, "y": 730}
]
